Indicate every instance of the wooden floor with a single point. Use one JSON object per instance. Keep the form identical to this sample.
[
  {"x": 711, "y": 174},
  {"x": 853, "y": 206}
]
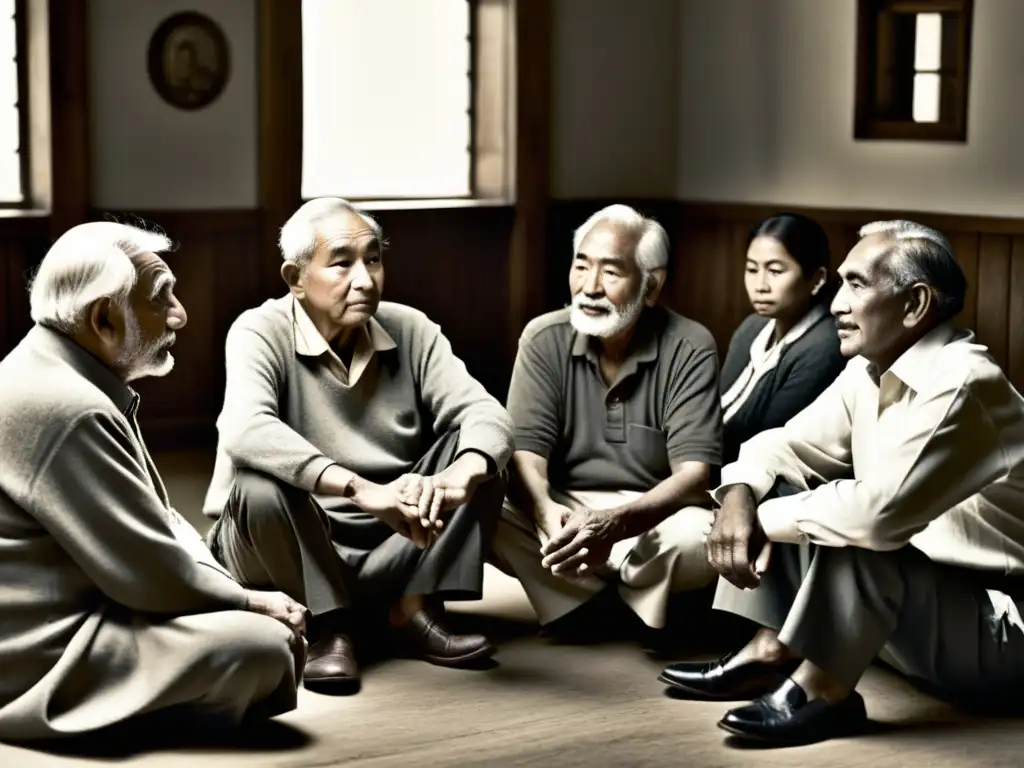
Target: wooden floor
[{"x": 542, "y": 704}]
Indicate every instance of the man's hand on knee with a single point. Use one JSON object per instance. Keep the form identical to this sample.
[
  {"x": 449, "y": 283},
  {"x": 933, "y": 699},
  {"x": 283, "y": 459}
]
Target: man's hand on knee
[
  {"x": 583, "y": 544},
  {"x": 277, "y": 605},
  {"x": 435, "y": 497},
  {"x": 391, "y": 504},
  {"x": 737, "y": 546}
]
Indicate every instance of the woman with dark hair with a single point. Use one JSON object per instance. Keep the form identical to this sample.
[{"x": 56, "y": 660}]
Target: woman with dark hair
[{"x": 787, "y": 353}]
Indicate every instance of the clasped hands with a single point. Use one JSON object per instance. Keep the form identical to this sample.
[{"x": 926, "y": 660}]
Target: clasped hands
[
  {"x": 736, "y": 544},
  {"x": 418, "y": 506},
  {"x": 579, "y": 540}
]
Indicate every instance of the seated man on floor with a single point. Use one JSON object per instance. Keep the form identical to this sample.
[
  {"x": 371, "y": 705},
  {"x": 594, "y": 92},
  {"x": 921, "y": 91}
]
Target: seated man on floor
[
  {"x": 111, "y": 605},
  {"x": 906, "y": 538},
  {"x": 618, "y": 426},
  {"x": 359, "y": 461}
]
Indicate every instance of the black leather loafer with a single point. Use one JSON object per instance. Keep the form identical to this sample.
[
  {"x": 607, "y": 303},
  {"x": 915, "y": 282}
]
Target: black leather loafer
[
  {"x": 785, "y": 717},
  {"x": 717, "y": 681}
]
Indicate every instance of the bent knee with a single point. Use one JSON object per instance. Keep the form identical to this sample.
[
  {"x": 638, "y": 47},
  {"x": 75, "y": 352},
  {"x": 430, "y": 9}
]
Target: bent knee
[
  {"x": 255, "y": 640},
  {"x": 686, "y": 528},
  {"x": 260, "y": 497}
]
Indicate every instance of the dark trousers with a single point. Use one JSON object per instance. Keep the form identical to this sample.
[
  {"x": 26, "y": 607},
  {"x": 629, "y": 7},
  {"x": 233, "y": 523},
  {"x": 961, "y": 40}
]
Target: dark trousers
[{"x": 274, "y": 536}]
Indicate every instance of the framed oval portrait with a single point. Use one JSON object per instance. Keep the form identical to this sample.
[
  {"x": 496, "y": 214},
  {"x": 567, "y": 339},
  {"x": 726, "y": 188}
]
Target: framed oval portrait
[{"x": 189, "y": 60}]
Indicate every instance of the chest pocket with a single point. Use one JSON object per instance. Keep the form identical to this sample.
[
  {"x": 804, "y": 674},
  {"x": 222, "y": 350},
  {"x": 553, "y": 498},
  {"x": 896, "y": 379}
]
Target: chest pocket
[{"x": 649, "y": 447}]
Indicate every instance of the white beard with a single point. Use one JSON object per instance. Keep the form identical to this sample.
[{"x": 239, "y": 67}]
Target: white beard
[
  {"x": 613, "y": 322},
  {"x": 139, "y": 359}
]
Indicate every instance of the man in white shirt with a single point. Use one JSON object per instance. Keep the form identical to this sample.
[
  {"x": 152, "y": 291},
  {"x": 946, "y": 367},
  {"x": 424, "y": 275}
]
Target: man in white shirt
[{"x": 902, "y": 535}]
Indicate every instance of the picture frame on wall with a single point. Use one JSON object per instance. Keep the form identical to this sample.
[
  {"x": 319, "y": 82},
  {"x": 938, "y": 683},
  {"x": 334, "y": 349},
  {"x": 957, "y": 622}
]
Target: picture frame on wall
[{"x": 189, "y": 60}]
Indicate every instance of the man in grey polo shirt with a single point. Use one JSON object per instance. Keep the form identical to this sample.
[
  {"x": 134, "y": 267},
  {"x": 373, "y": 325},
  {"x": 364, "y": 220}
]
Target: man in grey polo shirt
[{"x": 618, "y": 425}]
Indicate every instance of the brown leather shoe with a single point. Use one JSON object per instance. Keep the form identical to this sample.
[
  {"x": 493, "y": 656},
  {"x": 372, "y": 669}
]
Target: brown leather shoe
[
  {"x": 331, "y": 666},
  {"x": 424, "y": 637}
]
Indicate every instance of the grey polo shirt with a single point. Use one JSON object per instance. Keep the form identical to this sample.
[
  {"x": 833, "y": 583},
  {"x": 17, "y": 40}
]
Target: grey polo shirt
[{"x": 663, "y": 409}]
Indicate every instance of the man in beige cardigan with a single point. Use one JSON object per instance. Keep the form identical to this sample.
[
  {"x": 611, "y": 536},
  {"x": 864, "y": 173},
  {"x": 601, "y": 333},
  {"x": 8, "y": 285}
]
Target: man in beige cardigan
[
  {"x": 112, "y": 606},
  {"x": 358, "y": 465}
]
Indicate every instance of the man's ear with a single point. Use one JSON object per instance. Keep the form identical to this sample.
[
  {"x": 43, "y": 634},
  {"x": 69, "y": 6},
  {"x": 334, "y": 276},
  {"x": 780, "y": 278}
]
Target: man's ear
[
  {"x": 105, "y": 327},
  {"x": 291, "y": 273},
  {"x": 655, "y": 282},
  {"x": 919, "y": 303}
]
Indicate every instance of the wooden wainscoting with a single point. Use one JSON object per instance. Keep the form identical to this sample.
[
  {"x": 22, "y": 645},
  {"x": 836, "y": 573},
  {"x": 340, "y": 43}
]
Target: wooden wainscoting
[
  {"x": 217, "y": 266},
  {"x": 711, "y": 242},
  {"x": 451, "y": 263},
  {"x": 24, "y": 239}
]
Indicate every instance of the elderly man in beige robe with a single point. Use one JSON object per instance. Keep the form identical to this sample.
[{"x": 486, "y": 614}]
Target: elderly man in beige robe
[{"x": 112, "y": 606}]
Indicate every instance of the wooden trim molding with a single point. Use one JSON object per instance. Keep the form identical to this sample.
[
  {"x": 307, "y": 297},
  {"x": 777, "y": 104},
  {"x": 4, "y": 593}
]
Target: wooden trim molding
[
  {"x": 280, "y": 127},
  {"x": 69, "y": 113},
  {"x": 944, "y": 222},
  {"x": 527, "y": 254}
]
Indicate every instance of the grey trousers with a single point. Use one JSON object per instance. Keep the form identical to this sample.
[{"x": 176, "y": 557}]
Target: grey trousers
[
  {"x": 954, "y": 630},
  {"x": 334, "y": 555}
]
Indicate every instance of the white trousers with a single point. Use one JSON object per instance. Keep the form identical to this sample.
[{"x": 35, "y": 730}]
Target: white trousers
[{"x": 646, "y": 569}]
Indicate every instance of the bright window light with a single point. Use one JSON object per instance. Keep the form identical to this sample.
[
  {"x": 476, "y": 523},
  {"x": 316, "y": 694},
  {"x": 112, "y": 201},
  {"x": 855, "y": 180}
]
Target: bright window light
[
  {"x": 386, "y": 98},
  {"x": 10, "y": 119}
]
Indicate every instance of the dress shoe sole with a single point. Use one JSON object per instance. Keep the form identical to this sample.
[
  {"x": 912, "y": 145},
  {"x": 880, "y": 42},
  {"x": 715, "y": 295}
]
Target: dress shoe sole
[
  {"x": 333, "y": 685},
  {"x": 748, "y": 693},
  {"x": 851, "y": 728},
  {"x": 479, "y": 654}
]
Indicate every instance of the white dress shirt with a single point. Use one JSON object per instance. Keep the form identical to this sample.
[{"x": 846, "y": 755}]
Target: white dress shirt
[{"x": 930, "y": 453}]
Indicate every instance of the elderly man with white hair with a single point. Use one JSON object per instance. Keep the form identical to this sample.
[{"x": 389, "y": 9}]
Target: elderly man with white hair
[
  {"x": 358, "y": 465},
  {"x": 906, "y": 538},
  {"x": 111, "y": 605},
  {"x": 618, "y": 429}
]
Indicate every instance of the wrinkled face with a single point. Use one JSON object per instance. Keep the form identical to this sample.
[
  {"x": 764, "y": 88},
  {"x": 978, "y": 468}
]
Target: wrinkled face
[
  {"x": 608, "y": 287},
  {"x": 775, "y": 282},
  {"x": 869, "y": 315},
  {"x": 152, "y": 317},
  {"x": 343, "y": 281}
]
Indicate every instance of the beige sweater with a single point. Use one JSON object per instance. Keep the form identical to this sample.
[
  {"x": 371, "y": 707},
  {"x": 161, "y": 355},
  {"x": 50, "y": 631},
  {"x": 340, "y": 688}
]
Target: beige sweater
[
  {"x": 288, "y": 414},
  {"x": 86, "y": 530}
]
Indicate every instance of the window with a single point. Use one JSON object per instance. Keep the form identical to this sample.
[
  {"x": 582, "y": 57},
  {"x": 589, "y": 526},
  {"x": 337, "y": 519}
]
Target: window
[
  {"x": 912, "y": 69},
  {"x": 12, "y": 190},
  {"x": 389, "y": 95}
]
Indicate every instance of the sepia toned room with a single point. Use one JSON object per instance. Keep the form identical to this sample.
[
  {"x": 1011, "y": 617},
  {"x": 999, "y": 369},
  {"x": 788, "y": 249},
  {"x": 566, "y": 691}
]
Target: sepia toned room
[{"x": 481, "y": 136}]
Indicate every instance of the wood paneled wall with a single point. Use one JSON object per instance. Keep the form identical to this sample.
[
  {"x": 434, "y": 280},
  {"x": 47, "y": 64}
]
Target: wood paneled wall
[
  {"x": 452, "y": 263},
  {"x": 711, "y": 242}
]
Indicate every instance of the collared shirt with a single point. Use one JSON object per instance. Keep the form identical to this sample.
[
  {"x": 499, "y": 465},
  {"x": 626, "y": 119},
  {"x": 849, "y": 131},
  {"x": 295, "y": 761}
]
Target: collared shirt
[
  {"x": 763, "y": 358},
  {"x": 292, "y": 409},
  {"x": 662, "y": 409},
  {"x": 931, "y": 452},
  {"x": 309, "y": 342}
]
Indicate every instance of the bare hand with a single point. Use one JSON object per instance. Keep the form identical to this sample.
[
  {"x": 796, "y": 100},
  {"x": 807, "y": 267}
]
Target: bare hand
[
  {"x": 550, "y": 518},
  {"x": 737, "y": 542},
  {"x": 435, "y": 496},
  {"x": 583, "y": 543},
  {"x": 277, "y": 605},
  {"x": 386, "y": 503}
]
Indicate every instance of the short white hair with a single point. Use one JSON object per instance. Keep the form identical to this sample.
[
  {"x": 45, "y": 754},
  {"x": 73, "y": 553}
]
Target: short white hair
[
  {"x": 920, "y": 254},
  {"x": 300, "y": 233},
  {"x": 651, "y": 239},
  {"x": 87, "y": 263}
]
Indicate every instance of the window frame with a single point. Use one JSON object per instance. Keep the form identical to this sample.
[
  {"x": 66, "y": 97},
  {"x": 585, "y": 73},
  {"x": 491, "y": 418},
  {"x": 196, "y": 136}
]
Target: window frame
[
  {"x": 21, "y": 54},
  {"x": 490, "y": 56},
  {"x": 872, "y": 16}
]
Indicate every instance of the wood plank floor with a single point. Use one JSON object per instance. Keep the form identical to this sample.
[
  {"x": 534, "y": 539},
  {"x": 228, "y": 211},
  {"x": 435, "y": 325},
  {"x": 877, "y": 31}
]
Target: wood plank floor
[{"x": 542, "y": 704}]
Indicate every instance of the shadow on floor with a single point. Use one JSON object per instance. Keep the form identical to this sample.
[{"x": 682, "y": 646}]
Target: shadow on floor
[{"x": 145, "y": 736}]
